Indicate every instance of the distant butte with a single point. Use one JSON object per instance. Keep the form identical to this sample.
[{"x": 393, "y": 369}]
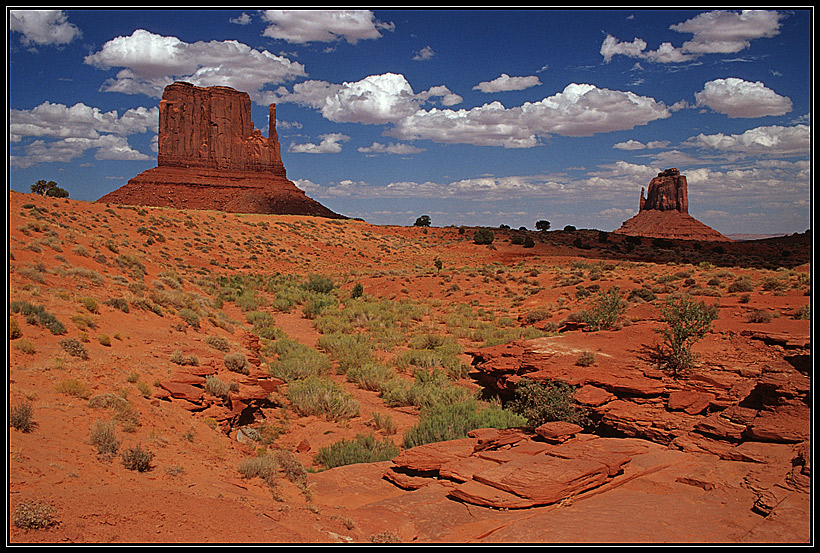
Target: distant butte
[
  {"x": 211, "y": 157},
  {"x": 664, "y": 212}
]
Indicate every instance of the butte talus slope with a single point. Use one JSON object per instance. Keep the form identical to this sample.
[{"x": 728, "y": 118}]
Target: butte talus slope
[
  {"x": 664, "y": 212},
  {"x": 211, "y": 157}
]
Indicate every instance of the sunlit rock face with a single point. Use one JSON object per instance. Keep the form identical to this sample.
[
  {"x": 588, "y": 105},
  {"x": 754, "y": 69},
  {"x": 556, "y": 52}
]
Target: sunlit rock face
[{"x": 212, "y": 157}]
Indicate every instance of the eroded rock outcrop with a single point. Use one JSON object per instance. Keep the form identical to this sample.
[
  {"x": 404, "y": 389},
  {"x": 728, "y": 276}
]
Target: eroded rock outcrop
[
  {"x": 664, "y": 212},
  {"x": 211, "y": 157}
]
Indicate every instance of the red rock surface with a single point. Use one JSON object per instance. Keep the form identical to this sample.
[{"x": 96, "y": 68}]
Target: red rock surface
[
  {"x": 211, "y": 157},
  {"x": 664, "y": 212}
]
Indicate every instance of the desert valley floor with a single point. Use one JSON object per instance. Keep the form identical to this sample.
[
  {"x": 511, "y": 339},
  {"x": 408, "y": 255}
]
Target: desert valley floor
[{"x": 186, "y": 335}]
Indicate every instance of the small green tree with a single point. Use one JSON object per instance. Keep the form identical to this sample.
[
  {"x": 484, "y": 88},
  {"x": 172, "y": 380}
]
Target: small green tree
[
  {"x": 483, "y": 236},
  {"x": 48, "y": 188},
  {"x": 606, "y": 310},
  {"x": 423, "y": 221},
  {"x": 542, "y": 225},
  {"x": 688, "y": 321}
]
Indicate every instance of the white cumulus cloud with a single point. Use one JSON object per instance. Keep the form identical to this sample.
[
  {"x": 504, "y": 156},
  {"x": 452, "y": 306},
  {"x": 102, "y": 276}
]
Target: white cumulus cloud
[
  {"x": 714, "y": 32},
  {"x": 302, "y": 26},
  {"x": 505, "y": 83},
  {"x": 738, "y": 98},
  {"x": 392, "y": 148},
  {"x": 43, "y": 27},
  {"x": 150, "y": 62},
  {"x": 579, "y": 110},
  {"x": 64, "y": 133},
  {"x": 328, "y": 145},
  {"x": 773, "y": 140}
]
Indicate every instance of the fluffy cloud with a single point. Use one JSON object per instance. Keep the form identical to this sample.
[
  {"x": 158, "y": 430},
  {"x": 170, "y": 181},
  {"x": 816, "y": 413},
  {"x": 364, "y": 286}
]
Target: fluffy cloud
[
  {"x": 738, "y": 98},
  {"x": 724, "y": 32},
  {"x": 328, "y": 145},
  {"x": 78, "y": 121},
  {"x": 76, "y": 129},
  {"x": 637, "y": 145},
  {"x": 302, "y": 26},
  {"x": 767, "y": 141},
  {"x": 43, "y": 27},
  {"x": 392, "y": 148},
  {"x": 424, "y": 54},
  {"x": 374, "y": 100},
  {"x": 715, "y": 32},
  {"x": 504, "y": 83},
  {"x": 579, "y": 110},
  {"x": 152, "y": 61}
]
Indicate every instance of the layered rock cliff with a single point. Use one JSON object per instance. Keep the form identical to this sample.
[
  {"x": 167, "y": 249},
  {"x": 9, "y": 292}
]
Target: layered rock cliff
[{"x": 212, "y": 157}]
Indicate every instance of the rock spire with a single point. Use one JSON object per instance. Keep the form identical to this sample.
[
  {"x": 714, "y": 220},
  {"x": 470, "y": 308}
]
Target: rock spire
[{"x": 664, "y": 212}]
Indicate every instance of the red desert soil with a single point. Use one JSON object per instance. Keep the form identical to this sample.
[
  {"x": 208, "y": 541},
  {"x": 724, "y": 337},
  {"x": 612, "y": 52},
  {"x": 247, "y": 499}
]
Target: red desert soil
[{"x": 683, "y": 474}]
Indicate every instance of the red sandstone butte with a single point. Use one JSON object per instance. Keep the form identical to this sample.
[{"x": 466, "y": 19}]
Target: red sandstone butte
[
  {"x": 211, "y": 157},
  {"x": 664, "y": 212}
]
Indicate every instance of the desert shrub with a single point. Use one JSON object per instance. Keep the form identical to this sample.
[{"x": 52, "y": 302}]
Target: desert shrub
[
  {"x": 357, "y": 290},
  {"x": 217, "y": 387},
  {"x": 536, "y": 316},
  {"x": 605, "y": 311},
  {"x": 774, "y": 284},
  {"x": 371, "y": 376},
  {"x": 322, "y": 397},
  {"x": 320, "y": 284},
  {"x": 540, "y": 401},
  {"x": 483, "y": 236},
  {"x": 90, "y": 304},
  {"x": 262, "y": 466},
  {"x": 349, "y": 350},
  {"x": 803, "y": 313},
  {"x": 273, "y": 462},
  {"x": 73, "y": 387},
  {"x": 74, "y": 347},
  {"x": 299, "y": 362},
  {"x": 688, "y": 321},
  {"x": 218, "y": 343},
  {"x": 317, "y": 303},
  {"x": 742, "y": 284},
  {"x": 32, "y": 515},
  {"x": 14, "y": 329},
  {"x": 132, "y": 264},
  {"x": 104, "y": 340},
  {"x": 190, "y": 317},
  {"x": 365, "y": 448},
  {"x": 439, "y": 423},
  {"x": 37, "y": 315},
  {"x": 384, "y": 422},
  {"x": 180, "y": 358},
  {"x": 144, "y": 388},
  {"x": 104, "y": 438},
  {"x": 118, "y": 303},
  {"x": 124, "y": 411},
  {"x": 642, "y": 294},
  {"x": 21, "y": 417},
  {"x": 585, "y": 359},
  {"x": 760, "y": 316},
  {"x": 237, "y": 362},
  {"x": 429, "y": 388},
  {"x": 136, "y": 458}
]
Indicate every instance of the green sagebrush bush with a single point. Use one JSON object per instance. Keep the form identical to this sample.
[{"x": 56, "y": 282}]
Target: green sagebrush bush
[
  {"x": 540, "y": 401},
  {"x": 365, "y": 448}
]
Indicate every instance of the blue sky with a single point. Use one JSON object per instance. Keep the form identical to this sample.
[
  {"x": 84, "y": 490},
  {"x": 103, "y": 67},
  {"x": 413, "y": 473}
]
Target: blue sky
[{"x": 474, "y": 117}]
